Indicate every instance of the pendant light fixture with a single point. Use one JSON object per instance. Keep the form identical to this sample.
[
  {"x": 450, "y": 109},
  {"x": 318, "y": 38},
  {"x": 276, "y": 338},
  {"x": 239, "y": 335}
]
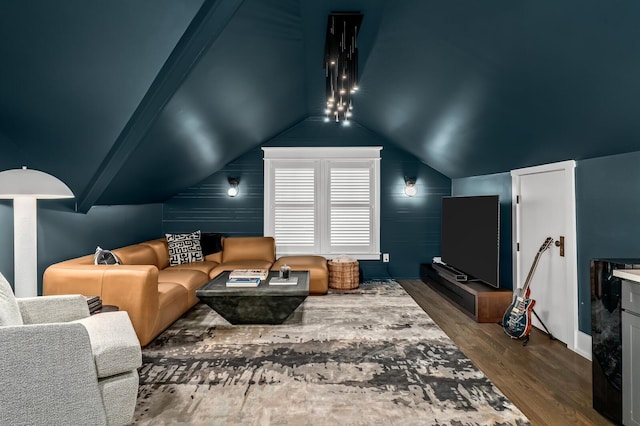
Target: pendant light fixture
[{"x": 341, "y": 65}]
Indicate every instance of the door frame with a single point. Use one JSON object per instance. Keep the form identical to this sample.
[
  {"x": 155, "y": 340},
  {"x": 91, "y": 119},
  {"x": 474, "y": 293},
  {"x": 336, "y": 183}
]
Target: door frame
[{"x": 570, "y": 240}]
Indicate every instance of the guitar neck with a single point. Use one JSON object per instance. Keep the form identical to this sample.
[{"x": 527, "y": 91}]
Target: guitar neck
[
  {"x": 534, "y": 265},
  {"x": 531, "y": 271}
]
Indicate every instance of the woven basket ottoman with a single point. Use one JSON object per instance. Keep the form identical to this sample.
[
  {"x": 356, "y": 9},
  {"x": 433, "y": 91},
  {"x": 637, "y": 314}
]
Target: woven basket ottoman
[{"x": 344, "y": 275}]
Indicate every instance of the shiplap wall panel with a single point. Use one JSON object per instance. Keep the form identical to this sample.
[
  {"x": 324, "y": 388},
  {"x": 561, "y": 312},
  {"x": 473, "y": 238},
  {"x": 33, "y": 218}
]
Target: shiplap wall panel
[{"x": 409, "y": 227}]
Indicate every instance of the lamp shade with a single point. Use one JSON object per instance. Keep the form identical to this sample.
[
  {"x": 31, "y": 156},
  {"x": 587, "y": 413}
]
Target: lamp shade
[
  {"x": 25, "y": 187},
  {"x": 18, "y": 183}
]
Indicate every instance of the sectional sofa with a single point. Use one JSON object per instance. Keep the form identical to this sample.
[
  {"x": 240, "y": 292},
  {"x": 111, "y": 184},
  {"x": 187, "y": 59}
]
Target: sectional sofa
[{"x": 155, "y": 294}]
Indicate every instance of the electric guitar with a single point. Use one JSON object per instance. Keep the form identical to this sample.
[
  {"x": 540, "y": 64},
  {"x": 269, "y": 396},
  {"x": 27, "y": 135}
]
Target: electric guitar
[{"x": 517, "y": 318}]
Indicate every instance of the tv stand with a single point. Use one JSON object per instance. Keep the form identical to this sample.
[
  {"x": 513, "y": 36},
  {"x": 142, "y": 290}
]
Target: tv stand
[
  {"x": 478, "y": 300},
  {"x": 450, "y": 271}
]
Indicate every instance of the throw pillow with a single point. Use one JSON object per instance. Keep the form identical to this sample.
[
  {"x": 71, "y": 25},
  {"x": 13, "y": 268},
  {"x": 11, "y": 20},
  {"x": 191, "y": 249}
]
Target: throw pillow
[
  {"x": 184, "y": 248},
  {"x": 9, "y": 310},
  {"x": 211, "y": 243},
  {"x": 105, "y": 257}
]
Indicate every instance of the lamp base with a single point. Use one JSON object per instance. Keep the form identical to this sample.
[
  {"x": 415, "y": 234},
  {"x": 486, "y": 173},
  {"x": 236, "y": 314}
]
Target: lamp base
[{"x": 25, "y": 246}]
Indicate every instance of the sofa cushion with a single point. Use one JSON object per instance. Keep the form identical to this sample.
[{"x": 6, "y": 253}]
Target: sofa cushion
[
  {"x": 105, "y": 257},
  {"x": 245, "y": 264},
  {"x": 115, "y": 346},
  {"x": 137, "y": 254},
  {"x": 204, "y": 266},
  {"x": 184, "y": 248},
  {"x": 190, "y": 279},
  {"x": 249, "y": 248},
  {"x": 9, "y": 310},
  {"x": 161, "y": 250},
  {"x": 214, "y": 257}
]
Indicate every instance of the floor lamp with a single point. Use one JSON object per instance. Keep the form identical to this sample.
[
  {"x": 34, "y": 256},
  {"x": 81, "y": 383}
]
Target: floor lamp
[{"x": 25, "y": 186}]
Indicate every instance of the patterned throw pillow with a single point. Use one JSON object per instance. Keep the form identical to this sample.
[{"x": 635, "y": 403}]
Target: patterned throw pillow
[
  {"x": 184, "y": 248},
  {"x": 105, "y": 257}
]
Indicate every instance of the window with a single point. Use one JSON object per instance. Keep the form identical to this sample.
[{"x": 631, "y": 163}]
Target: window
[{"x": 323, "y": 201}]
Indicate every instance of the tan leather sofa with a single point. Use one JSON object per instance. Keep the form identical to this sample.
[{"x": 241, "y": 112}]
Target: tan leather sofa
[{"x": 155, "y": 294}]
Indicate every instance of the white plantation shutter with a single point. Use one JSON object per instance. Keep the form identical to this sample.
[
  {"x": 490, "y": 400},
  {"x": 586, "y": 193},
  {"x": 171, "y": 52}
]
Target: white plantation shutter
[
  {"x": 294, "y": 207},
  {"x": 350, "y": 213},
  {"x": 323, "y": 201}
]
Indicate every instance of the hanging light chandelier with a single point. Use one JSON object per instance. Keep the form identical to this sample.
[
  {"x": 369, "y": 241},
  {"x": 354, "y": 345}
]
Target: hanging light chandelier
[{"x": 341, "y": 64}]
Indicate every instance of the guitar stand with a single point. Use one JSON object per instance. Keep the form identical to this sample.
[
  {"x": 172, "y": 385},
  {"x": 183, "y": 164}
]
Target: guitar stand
[{"x": 526, "y": 338}]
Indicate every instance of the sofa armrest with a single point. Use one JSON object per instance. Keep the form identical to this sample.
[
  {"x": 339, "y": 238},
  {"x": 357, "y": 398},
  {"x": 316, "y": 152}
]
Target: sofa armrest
[
  {"x": 132, "y": 288},
  {"x": 48, "y": 309},
  {"x": 48, "y": 376}
]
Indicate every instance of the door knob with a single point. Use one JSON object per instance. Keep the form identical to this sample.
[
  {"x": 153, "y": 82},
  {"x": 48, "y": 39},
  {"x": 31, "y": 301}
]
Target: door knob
[{"x": 560, "y": 243}]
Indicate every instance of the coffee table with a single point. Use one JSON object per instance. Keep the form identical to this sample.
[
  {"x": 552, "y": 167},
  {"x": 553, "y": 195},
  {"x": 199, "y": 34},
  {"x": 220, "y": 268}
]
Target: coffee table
[{"x": 264, "y": 304}]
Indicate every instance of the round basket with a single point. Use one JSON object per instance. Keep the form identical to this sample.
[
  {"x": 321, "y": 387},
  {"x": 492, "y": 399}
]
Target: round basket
[{"x": 343, "y": 275}]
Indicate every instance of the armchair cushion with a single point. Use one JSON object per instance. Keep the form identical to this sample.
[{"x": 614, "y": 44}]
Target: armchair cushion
[
  {"x": 114, "y": 344},
  {"x": 9, "y": 310},
  {"x": 50, "y": 309}
]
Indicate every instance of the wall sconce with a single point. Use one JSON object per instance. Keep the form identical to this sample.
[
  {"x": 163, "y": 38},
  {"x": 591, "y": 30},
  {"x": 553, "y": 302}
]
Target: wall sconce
[
  {"x": 25, "y": 186},
  {"x": 233, "y": 187},
  {"x": 410, "y": 189}
]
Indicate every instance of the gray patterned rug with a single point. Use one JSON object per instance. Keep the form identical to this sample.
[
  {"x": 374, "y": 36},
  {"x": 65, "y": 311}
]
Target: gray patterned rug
[{"x": 366, "y": 357}]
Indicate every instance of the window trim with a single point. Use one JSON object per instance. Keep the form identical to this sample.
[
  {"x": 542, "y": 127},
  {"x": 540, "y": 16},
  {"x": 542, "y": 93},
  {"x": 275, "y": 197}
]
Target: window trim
[{"x": 326, "y": 156}]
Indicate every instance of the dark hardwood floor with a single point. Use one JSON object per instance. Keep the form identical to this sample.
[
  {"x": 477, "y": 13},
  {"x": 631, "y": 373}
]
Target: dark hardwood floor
[{"x": 549, "y": 383}]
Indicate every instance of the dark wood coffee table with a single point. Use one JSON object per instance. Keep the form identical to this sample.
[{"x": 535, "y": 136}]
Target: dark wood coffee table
[{"x": 264, "y": 304}]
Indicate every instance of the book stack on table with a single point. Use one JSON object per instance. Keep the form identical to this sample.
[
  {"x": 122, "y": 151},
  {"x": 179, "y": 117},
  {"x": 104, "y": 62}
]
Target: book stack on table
[
  {"x": 95, "y": 304},
  {"x": 283, "y": 281},
  {"x": 247, "y": 277}
]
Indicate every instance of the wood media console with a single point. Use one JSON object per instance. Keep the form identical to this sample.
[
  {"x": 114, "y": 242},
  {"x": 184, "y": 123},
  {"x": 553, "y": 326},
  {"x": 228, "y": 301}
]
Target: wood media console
[{"x": 480, "y": 301}]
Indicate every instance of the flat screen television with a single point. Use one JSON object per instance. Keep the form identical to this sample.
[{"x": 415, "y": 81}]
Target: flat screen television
[{"x": 471, "y": 236}]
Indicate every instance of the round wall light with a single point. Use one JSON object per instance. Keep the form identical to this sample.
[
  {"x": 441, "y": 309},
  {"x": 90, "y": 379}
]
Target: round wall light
[
  {"x": 233, "y": 187},
  {"x": 410, "y": 189}
]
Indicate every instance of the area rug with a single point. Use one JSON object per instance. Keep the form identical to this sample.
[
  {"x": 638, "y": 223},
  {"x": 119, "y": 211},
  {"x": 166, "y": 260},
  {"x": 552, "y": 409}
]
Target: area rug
[{"x": 370, "y": 356}]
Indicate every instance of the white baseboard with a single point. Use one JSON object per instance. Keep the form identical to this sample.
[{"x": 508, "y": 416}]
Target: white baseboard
[{"x": 583, "y": 345}]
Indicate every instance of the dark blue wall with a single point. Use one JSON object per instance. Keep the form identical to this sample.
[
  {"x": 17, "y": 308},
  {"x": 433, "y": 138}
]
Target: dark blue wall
[
  {"x": 64, "y": 234},
  {"x": 608, "y": 213},
  {"x": 608, "y": 217},
  {"x": 496, "y": 184},
  {"x": 410, "y": 227},
  {"x": 207, "y": 206}
]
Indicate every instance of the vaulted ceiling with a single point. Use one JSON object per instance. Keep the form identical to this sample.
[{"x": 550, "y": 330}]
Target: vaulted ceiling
[{"x": 133, "y": 101}]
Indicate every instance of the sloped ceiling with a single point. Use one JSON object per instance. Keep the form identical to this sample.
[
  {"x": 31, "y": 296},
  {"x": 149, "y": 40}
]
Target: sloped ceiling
[
  {"x": 480, "y": 87},
  {"x": 73, "y": 72},
  {"x": 468, "y": 87}
]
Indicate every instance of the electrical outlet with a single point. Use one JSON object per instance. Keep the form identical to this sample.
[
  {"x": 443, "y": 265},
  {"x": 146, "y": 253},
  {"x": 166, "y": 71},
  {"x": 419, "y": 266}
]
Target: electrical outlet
[{"x": 385, "y": 257}]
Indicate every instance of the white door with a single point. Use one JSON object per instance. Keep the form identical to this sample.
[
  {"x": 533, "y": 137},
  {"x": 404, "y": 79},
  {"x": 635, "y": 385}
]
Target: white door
[{"x": 545, "y": 207}]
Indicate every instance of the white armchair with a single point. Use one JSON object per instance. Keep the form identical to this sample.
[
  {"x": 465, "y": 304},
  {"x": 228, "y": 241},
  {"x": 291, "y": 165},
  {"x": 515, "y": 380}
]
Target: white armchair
[{"x": 59, "y": 365}]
